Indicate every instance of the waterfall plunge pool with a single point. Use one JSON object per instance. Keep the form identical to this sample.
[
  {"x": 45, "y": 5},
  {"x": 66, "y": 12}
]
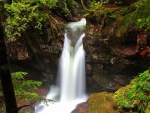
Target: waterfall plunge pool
[{"x": 70, "y": 88}]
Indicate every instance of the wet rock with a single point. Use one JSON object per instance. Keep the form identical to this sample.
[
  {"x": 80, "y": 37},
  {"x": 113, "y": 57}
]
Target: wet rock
[
  {"x": 123, "y": 51},
  {"x": 111, "y": 62},
  {"x": 101, "y": 103},
  {"x": 81, "y": 108},
  {"x": 42, "y": 91},
  {"x": 93, "y": 85},
  {"x": 122, "y": 80},
  {"x": 106, "y": 81}
]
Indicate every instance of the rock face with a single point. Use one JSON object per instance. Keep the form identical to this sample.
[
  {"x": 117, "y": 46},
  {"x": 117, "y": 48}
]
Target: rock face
[
  {"x": 98, "y": 103},
  {"x": 112, "y": 65},
  {"x": 35, "y": 55},
  {"x": 114, "y": 56},
  {"x": 111, "y": 61},
  {"x": 101, "y": 103},
  {"x": 81, "y": 108}
]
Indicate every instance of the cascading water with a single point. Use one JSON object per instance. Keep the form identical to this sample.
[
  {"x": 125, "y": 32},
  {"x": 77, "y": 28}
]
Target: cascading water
[{"x": 71, "y": 74}]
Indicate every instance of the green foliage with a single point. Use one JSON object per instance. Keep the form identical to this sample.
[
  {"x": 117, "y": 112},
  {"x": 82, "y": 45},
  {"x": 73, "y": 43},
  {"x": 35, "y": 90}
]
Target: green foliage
[
  {"x": 137, "y": 94},
  {"x": 143, "y": 13},
  {"x": 24, "y": 89},
  {"x": 97, "y": 9},
  {"x": 92, "y": 5},
  {"x": 136, "y": 14},
  {"x": 63, "y": 4},
  {"x": 113, "y": 16},
  {"x": 71, "y": 4},
  {"x": 144, "y": 22},
  {"x": 66, "y": 5},
  {"x": 124, "y": 11},
  {"x": 24, "y": 12}
]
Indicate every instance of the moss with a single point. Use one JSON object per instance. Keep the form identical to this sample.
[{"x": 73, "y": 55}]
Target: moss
[
  {"x": 148, "y": 109},
  {"x": 101, "y": 103},
  {"x": 123, "y": 24},
  {"x": 101, "y": 79},
  {"x": 130, "y": 16},
  {"x": 124, "y": 20},
  {"x": 98, "y": 11},
  {"x": 124, "y": 16}
]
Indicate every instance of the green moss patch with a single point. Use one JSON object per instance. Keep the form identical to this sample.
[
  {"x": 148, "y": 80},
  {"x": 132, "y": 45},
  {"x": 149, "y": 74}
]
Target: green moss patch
[{"x": 101, "y": 103}]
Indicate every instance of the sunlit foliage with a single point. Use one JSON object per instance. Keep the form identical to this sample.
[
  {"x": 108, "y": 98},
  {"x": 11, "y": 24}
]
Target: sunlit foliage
[
  {"x": 135, "y": 95},
  {"x": 24, "y": 12}
]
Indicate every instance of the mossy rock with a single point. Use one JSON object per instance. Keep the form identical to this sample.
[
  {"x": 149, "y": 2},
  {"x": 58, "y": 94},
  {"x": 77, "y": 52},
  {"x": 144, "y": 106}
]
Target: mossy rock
[
  {"x": 148, "y": 109},
  {"x": 130, "y": 17},
  {"x": 101, "y": 103},
  {"x": 106, "y": 81}
]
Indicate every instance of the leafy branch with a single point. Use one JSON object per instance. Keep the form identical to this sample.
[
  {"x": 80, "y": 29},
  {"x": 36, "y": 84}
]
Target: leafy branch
[
  {"x": 22, "y": 13},
  {"x": 24, "y": 89}
]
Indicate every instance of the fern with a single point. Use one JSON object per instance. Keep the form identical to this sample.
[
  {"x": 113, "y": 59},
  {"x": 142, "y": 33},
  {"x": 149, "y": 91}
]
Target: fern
[
  {"x": 136, "y": 94},
  {"x": 24, "y": 89},
  {"x": 21, "y": 13}
]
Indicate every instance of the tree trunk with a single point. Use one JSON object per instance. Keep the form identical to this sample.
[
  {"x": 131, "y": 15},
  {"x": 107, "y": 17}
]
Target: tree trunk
[{"x": 5, "y": 76}]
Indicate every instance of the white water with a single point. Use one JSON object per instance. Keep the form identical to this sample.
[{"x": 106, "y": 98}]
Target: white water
[{"x": 71, "y": 74}]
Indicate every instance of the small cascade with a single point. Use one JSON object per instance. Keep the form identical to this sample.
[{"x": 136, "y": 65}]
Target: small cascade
[
  {"x": 72, "y": 69},
  {"x": 70, "y": 89}
]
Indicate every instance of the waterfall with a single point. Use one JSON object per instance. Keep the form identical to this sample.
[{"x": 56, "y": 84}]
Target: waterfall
[
  {"x": 70, "y": 89},
  {"x": 72, "y": 69}
]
